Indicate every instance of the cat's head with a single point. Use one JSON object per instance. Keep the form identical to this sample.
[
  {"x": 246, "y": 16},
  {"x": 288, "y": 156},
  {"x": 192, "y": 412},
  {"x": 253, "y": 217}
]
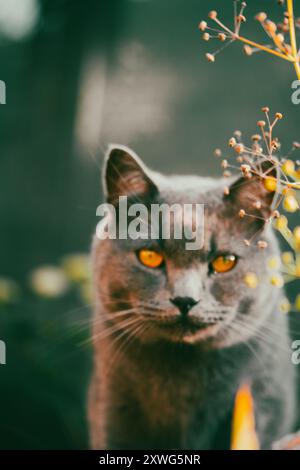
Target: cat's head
[{"x": 156, "y": 289}]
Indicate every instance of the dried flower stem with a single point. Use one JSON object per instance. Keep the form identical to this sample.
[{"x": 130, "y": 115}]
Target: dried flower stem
[
  {"x": 290, "y": 9},
  {"x": 286, "y": 50},
  {"x": 264, "y": 48}
]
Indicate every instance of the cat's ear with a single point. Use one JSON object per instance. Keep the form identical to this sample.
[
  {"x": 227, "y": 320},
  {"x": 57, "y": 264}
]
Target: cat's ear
[
  {"x": 251, "y": 196},
  {"x": 124, "y": 174}
]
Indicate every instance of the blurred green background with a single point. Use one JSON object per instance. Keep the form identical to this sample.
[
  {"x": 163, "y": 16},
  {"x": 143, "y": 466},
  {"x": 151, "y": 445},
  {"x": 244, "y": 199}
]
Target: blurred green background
[{"x": 80, "y": 74}]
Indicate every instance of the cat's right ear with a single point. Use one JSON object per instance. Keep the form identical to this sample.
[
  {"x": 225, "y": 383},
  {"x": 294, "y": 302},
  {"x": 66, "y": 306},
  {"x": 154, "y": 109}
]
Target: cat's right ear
[{"x": 124, "y": 174}]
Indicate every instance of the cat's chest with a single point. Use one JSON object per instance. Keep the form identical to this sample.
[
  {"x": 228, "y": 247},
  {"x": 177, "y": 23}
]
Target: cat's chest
[
  {"x": 171, "y": 397},
  {"x": 176, "y": 393}
]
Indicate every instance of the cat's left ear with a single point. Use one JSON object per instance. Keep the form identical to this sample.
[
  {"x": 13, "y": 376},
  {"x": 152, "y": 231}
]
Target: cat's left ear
[
  {"x": 124, "y": 174},
  {"x": 250, "y": 195}
]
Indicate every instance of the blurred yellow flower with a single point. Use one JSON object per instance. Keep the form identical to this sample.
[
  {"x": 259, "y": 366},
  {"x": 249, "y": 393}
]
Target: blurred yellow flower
[
  {"x": 276, "y": 280},
  {"x": 86, "y": 293},
  {"x": 251, "y": 280},
  {"x": 285, "y": 306},
  {"x": 77, "y": 267},
  {"x": 274, "y": 262},
  {"x": 297, "y": 302},
  {"x": 287, "y": 257},
  {"x": 9, "y": 290},
  {"x": 48, "y": 281}
]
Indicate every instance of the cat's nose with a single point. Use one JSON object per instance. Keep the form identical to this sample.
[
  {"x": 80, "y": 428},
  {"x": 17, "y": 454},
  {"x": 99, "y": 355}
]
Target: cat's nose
[{"x": 184, "y": 304}]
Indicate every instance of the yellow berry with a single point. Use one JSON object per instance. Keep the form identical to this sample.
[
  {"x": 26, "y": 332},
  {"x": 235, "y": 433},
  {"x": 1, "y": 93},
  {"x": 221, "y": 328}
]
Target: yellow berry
[
  {"x": 281, "y": 223},
  {"x": 290, "y": 203},
  {"x": 288, "y": 167},
  {"x": 270, "y": 183}
]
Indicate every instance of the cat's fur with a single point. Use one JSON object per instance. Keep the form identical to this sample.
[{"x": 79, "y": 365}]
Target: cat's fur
[{"x": 164, "y": 386}]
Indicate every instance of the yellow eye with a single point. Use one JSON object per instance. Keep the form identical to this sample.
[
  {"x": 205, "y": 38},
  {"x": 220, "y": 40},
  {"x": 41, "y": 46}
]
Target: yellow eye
[
  {"x": 150, "y": 258},
  {"x": 224, "y": 263}
]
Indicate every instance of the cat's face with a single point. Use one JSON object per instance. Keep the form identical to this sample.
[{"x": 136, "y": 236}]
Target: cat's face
[{"x": 159, "y": 290}]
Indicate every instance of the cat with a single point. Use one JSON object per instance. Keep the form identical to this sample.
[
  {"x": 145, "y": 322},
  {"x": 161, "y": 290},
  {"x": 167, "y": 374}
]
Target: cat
[{"x": 174, "y": 342}]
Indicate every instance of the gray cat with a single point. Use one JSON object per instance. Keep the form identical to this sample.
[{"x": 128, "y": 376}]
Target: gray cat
[{"x": 176, "y": 332}]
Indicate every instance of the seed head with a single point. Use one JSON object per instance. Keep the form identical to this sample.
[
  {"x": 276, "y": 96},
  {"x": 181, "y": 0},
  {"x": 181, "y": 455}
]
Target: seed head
[
  {"x": 245, "y": 168},
  {"x": 226, "y": 191},
  {"x": 239, "y": 148},
  {"x": 232, "y": 142},
  {"x": 218, "y": 152},
  {"x": 256, "y": 137},
  {"x": 275, "y": 214},
  {"x": 248, "y": 50},
  {"x": 222, "y": 37},
  {"x": 241, "y": 19},
  {"x": 202, "y": 25},
  {"x": 262, "y": 244},
  {"x": 242, "y": 213},
  {"x": 210, "y": 57},
  {"x": 279, "y": 115},
  {"x": 261, "y": 123},
  {"x": 280, "y": 37},
  {"x": 247, "y": 242},
  {"x": 206, "y": 36},
  {"x": 262, "y": 16},
  {"x": 224, "y": 164},
  {"x": 265, "y": 109},
  {"x": 212, "y": 15},
  {"x": 257, "y": 205},
  {"x": 270, "y": 26}
]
